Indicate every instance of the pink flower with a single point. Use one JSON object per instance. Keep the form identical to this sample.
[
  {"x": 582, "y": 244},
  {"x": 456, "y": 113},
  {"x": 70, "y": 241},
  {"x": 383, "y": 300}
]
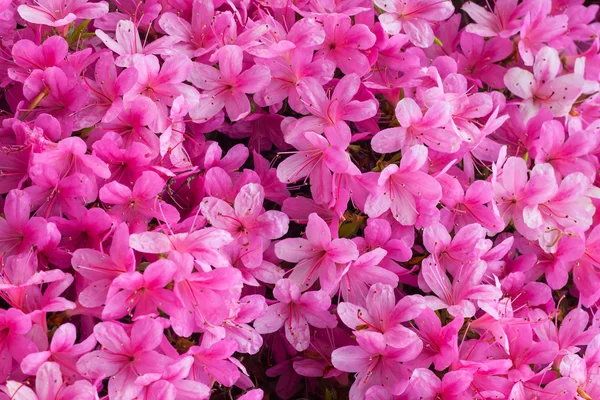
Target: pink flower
[
  {"x": 416, "y": 128},
  {"x": 330, "y": 112},
  {"x": 28, "y": 56},
  {"x": 296, "y": 312},
  {"x": 132, "y": 124},
  {"x": 227, "y": 86},
  {"x": 382, "y": 314},
  {"x": 128, "y": 43},
  {"x": 514, "y": 193},
  {"x": 502, "y": 21},
  {"x": 247, "y": 223},
  {"x": 125, "y": 356},
  {"x": 61, "y": 13},
  {"x": 479, "y": 58},
  {"x": 172, "y": 384},
  {"x": 374, "y": 362},
  {"x": 405, "y": 190},
  {"x": 452, "y": 252},
  {"x": 524, "y": 352},
  {"x": 163, "y": 84},
  {"x": 65, "y": 95},
  {"x": 471, "y": 206},
  {"x": 362, "y": 273},
  {"x": 544, "y": 88},
  {"x": 427, "y": 386},
  {"x": 573, "y": 333},
  {"x": 566, "y": 155},
  {"x": 318, "y": 256},
  {"x": 539, "y": 28},
  {"x": 414, "y": 18},
  {"x": 459, "y": 295},
  {"x": 70, "y": 157},
  {"x": 214, "y": 363},
  {"x": 316, "y": 158},
  {"x": 203, "y": 245}
]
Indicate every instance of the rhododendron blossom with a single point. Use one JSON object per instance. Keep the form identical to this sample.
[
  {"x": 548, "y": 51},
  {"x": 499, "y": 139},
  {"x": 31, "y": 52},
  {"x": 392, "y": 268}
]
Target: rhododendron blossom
[{"x": 320, "y": 199}]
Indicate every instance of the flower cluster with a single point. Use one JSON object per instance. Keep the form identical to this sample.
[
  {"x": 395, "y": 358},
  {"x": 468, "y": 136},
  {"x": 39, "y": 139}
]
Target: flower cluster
[{"x": 329, "y": 199}]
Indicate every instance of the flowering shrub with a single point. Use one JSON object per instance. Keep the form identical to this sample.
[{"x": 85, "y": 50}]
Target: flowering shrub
[{"x": 248, "y": 199}]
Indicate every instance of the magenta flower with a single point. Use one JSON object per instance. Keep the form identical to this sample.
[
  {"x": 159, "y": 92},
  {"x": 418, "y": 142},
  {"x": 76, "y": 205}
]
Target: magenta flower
[
  {"x": 126, "y": 164},
  {"x": 296, "y": 312},
  {"x": 143, "y": 293},
  {"x": 318, "y": 256},
  {"x": 14, "y": 345},
  {"x": 70, "y": 157},
  {"x": 132, "y": 124},
  {"x": 138, "y": 206},
  {"x": 514, "y": 193},
  {"x": 196, "y": 37},
  {"x": 566, "y": 155},
  {"x": 61, "y": 13},
  {"x": 573, "y": 333},
  {"x": 20, "y": 233},
  {"x": 452, "y": 252},
  {"x": 203, "y": 245},
  {"x": 108, "y": 89},
  {"x": 414, "y": 18},
  {"x": 344, "y": 44},
  {"x": 287, "y": 72},
  {"x": 28, "y": 56},
  {"x": 65, "y": 96},
  {"x": 471, "y": 206},
  {"x": 163, "y": 84},
  {"x": 227, "y": 87},
  {"x": 362, "y": 273},
  {"x": 524, "y": 352},
  {"x": 101, "y": 268},
  {"x": 440, "y": 344},
  {"x": 49, "y": 385},
  {"x": 63, "y": 351},
  {"x": 53, "y": 195}
]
